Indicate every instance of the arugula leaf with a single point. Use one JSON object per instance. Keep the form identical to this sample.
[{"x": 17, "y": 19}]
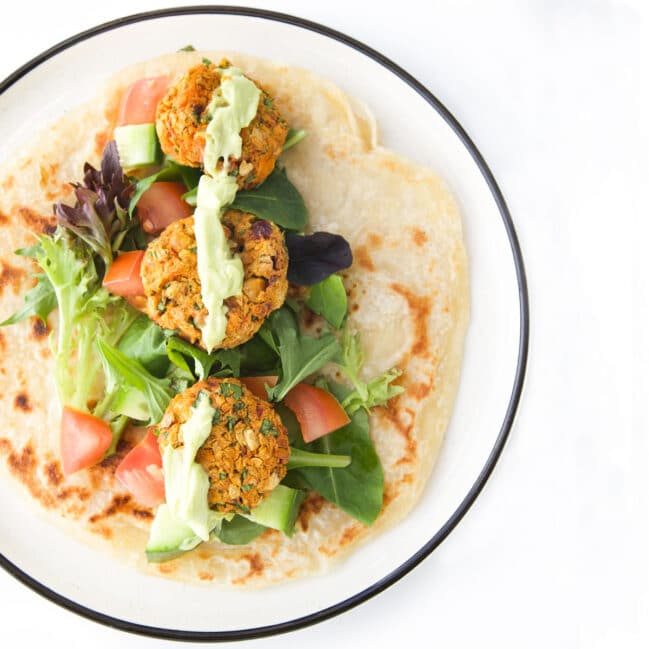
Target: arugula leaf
[
  {"x": 300, "y": 355},
  {"x": 329, "y": 299},
  {"x": 313, "y": 257},
  {"x": 146, "y": 343},
  {"x": 123, "y": 373},
  {"x": 364, "y": 395},
  {"x": 276, "y": 200},
  {"x": 39, "y": 301},
  {"x": 357, "y": 488},
  {"x": 239, "y": 531},
  {"x": 293, "y": 137}
]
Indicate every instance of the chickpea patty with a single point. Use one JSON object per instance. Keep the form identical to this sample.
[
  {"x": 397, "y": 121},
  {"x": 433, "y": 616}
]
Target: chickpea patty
[
  {"x": 246, "y": 453},
  {"x": 182, "y": 116},
  {"x": 173, "y": 289}
]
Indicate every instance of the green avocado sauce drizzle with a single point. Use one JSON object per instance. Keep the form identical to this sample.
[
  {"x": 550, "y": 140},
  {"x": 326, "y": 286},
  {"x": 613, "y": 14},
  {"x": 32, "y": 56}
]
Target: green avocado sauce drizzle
[{"x": 233, "y": 106}]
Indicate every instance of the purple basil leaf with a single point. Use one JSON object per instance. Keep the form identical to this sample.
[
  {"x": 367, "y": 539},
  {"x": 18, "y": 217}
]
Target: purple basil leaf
[{"x": 313, "y": 257}]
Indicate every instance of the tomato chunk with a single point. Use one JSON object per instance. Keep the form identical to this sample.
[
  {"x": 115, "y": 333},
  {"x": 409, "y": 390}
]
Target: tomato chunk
[
  {"x": 161, "y": 205},
  {"x": 256, "y": 384},
  {"x": 140, "y": 101},
  {"x": 123, "y": 276},
  {"x": 141, "y": 472},
  {"x": 318, "y": 412},
  {"x": 84, "y": 439}
]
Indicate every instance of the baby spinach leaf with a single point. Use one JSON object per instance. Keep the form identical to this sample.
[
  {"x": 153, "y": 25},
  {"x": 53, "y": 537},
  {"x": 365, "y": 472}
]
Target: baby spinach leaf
[
  {"x": 226, "y": 361},
  {"x": 329, "y": 299},
  {"x": 146, "y": 343},
  {"x": 275, "y": 200},
  {"x": 356, "y": 489},
  {"x": 300, "y": 355},
  {"x": 39, "y": 301},
  {"x": 239, "y": 531},
  {"x": 313, "y": 257}
]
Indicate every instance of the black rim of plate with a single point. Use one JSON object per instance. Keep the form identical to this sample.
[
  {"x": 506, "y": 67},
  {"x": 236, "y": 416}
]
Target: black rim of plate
[{"x": 424, "y": 551}]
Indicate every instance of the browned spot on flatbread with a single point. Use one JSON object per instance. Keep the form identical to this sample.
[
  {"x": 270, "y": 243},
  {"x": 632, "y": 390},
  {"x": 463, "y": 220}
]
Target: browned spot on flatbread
[
  {"x": 101, "y": 140},
  {"x": 362, "y": 257},
  {"x": 23, "y": 466},
  {"x": 419, "y": 307},
  {"x": 35, "y": 221},
  {"x": 8, "y": 182},
  {"x": 348, "y": 535},
  {"x": 205, "y": 576},
  {"x": 421, "y": 390},
  {"x": 256, "y": 564},
  {"x": 4, "y": 219},
  {"x": 53, "y": 473},
  {"x": 374, "y": 240},
  {"x": 166, "y": 568},
  {"x": 311, "y": 506},
  {"x": 21, "y": 402},
  {"x": 52, "y": 188},
  {"x": 11, "y": 277},
  {"x": 419, "y": 237},
  {"x": 72, "y": 492},
  {"x": 121, "y": 504},
  {"x": 5, "y": 445},
  {"x": 104, "y": 531},
  {"x": 404, "y": 421},
  {"x": 39, "y": 329},
  {"x": 3, "y": 343}
]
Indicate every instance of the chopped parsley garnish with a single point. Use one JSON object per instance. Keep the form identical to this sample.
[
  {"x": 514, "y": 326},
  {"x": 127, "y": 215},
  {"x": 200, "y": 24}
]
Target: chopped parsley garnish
[
  {"x": 231, "y": 390},
  {"x": 268, "y": 428},
  {"x": 232, "y": 422}
]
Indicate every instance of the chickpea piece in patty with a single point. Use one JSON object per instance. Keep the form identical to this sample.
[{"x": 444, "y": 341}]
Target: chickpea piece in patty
[
  {"x": 247, "y": 450},
  {"x": 173, "y": 290},
  {"x": 182, "y": 117}
]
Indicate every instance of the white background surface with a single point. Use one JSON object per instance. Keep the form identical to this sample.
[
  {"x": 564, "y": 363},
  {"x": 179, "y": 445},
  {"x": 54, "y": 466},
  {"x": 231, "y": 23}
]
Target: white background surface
[{"x": 555, "y": 551}]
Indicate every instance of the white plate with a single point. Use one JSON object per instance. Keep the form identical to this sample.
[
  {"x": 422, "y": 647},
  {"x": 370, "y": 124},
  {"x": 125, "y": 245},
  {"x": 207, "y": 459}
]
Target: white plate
[{"x": 413, "y": 123}]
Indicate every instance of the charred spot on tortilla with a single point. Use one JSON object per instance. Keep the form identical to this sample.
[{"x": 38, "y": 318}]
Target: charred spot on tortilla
[
  {"x": 21, "y": 401},
  {"x": 173, "y": 289},
  {"x": 34, "y": 221},
  {"x": 4, "y": 219},
  {"x": 246, "y": 452},
  {"x": 182, "y": 116},
  {"x": 40, "y": 329},
  {"x": 419, "y": 237},
  {"x": 11, "y": 277}
]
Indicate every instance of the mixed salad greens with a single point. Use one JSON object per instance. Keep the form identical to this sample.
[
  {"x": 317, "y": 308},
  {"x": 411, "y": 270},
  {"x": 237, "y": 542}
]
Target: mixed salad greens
[{"x": 115, "y": 366}]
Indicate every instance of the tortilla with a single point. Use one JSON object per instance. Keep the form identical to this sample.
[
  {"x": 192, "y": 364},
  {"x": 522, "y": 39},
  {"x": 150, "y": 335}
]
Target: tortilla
[{"x": 408, "y": 291}]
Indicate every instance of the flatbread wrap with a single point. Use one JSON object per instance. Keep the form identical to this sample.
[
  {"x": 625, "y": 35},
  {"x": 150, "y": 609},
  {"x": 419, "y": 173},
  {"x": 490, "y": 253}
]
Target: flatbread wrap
[{"x": 235, "y": 482}]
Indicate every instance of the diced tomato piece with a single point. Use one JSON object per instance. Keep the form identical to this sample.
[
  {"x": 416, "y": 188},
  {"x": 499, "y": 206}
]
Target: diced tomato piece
[
  {"x": 318, "y": 412},
  {"x": 161, "y": 205},
  {"x": 256, "y": 384},
  {"x": 123, "y": 276},
  {"x": 84, "y": 439},
  {"x": 141, "y": 472},
  {"x": 140, "y": 101}
]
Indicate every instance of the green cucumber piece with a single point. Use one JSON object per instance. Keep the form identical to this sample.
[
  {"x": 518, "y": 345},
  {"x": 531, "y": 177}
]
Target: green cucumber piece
[
  {"x": 169, "y": 537},
  {"x": 278, "y": 510},
  {"x": 137, "y": 145}
]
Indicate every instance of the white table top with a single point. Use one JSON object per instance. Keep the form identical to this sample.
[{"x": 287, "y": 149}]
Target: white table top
[{"x": 554, "y": 552}]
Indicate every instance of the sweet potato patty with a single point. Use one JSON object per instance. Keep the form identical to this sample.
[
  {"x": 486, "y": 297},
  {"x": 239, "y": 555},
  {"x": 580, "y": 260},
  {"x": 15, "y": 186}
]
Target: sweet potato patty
[
  {"x": 173, "y": 289},
  {"x": 247, "y": 450},
  {"x": 182, "y": 117}
]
